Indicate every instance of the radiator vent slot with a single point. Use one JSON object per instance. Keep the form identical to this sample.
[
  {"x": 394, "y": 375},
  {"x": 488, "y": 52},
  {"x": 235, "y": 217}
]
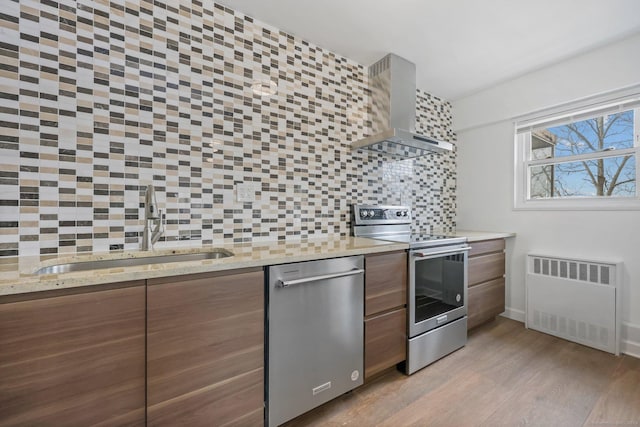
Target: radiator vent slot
[
  {"x": 575, "y": 299},
  {"x": 571, "y": 269}
]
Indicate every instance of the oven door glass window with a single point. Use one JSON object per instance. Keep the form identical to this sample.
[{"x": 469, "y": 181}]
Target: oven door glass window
[{"x": 439, "y": 285}]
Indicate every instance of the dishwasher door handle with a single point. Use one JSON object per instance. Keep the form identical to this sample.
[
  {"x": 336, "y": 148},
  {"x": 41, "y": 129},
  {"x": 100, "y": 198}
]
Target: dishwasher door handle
[{"x": 287, "y": 283}]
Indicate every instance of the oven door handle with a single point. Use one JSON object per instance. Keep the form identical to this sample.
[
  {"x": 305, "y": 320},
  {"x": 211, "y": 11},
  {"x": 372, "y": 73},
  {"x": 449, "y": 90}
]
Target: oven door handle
[{"x": 450, "y": 251}]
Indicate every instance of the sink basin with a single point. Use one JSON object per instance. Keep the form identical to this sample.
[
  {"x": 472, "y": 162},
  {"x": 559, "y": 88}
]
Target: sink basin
[{"x": 129, "y": 262}]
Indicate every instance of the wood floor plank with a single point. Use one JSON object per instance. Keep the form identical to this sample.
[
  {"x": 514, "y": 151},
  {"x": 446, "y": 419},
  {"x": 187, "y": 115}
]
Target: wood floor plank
[
  {"x": 566, "y": 385},
  {"x": 452, "y": 404},
  {"x": 620, "y": 403},
  {"x": 506, "y": 375}
]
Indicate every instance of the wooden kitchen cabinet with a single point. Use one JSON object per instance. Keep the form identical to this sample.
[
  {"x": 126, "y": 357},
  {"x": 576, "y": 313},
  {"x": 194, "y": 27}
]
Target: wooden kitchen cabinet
[
  {"x": 385, "y": 343},
  {"x": 205, "y": 349},
  {"x": 385, "y": 324},
  {"x": 486, "y": 295},
  {"x": 73, "y": 357}
]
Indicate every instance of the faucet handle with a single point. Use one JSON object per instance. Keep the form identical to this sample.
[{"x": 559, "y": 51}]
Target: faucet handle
[{"x": 160, "y": 226}]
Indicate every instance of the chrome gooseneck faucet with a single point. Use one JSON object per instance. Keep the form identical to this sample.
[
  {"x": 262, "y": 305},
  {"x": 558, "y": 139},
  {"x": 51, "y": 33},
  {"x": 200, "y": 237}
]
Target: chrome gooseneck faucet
[{"x": 152, "y": 219}]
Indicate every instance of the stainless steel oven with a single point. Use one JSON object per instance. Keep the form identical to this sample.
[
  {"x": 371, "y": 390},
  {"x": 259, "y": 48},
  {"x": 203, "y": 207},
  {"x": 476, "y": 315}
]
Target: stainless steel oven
[
  {"x": 437, "y": 286},
  {"x": 437, "y": 303}
]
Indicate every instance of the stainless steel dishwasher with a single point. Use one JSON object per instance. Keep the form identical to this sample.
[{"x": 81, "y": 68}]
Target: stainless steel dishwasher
[{"x": 315, "y": 334}]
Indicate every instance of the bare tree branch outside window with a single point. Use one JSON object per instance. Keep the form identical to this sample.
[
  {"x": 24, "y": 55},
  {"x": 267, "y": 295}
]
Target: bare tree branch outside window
[{"x": 607, "y": 176}]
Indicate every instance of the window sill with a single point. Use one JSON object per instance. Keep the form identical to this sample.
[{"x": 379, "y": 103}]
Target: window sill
[{"x": 582, "y": 204}]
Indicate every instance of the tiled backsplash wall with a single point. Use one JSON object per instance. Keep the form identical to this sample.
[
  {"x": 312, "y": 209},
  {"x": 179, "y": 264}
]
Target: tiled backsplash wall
[{"x": 101, "y": 98}]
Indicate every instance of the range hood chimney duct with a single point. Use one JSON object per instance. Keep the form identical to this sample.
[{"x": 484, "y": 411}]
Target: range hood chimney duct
[{"x": 393, "y": 112}]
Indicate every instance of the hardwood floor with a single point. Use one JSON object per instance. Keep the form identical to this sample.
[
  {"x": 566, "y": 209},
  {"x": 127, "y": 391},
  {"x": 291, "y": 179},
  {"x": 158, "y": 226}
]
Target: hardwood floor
[{"x": 506, "y": 375}]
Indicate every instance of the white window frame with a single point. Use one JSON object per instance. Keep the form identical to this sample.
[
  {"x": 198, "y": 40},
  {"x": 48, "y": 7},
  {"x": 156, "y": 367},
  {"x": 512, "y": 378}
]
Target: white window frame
[{"x": 522, "y": 148}]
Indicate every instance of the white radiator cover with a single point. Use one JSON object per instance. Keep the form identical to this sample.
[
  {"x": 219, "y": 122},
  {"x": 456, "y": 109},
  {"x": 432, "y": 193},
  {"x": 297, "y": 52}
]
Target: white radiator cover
[{"x": 575, "y": 299}]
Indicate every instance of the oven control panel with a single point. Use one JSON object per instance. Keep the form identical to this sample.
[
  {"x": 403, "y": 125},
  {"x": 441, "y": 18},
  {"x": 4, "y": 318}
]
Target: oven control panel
[{"x": 374, "y": 214}]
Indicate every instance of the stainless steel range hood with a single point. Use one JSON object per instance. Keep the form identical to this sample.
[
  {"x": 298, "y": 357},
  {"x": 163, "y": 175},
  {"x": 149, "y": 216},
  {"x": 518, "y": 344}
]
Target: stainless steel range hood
[{"x": 393, "y": 112}]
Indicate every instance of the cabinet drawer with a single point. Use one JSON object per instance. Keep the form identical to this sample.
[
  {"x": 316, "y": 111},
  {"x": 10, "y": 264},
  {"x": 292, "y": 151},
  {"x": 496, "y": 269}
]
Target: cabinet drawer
[
  {"x": 205, "y": 348},
  {"x": 485, "y": 302},
  {"x": 485, "y": 267},
  {"x": 239, "y": 401},
  {"x": 73, "y": 359},
  {"x": 385, "y": 341},
  {"x": 486, "y": 246},
  {"x": 385, "y": 285}
]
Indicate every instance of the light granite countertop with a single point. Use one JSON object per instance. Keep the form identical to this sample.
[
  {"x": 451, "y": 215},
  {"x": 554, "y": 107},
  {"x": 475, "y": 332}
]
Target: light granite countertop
[
  {"x": 17, "y": 274},
  {"x": 476, "y": 236}
]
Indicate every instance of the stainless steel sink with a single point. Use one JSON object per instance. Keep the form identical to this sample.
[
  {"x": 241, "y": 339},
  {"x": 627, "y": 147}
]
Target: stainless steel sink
[{"x": 129, "y": 262}]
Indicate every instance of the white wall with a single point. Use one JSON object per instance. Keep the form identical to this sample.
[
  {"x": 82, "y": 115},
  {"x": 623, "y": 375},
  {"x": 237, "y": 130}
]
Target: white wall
[
  {"x": 485, "y": 175},
  {"x": 612, "y": 67}
]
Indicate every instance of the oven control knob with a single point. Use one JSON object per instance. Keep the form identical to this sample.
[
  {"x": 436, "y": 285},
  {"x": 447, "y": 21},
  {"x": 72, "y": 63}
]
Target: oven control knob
[
  {"x": 399, "y": 213},
  {"x": 458, "y": 298},
  {"x": 372, "y": 214},
  {"x": 363, "y": 214}
]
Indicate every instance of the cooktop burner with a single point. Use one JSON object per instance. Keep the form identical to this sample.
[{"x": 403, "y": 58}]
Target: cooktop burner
[{"x": 417, "y": 241}]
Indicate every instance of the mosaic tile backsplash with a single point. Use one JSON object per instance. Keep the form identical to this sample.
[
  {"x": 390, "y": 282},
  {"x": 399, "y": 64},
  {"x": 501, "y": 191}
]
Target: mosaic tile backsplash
[{"x": 101, "y": 98}]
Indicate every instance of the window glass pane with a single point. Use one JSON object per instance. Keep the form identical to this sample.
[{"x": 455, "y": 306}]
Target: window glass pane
[
  {"x": 609, "y": 132},
  {"x": 541, "y": 178},
  {"x": 612, "y": 176}
]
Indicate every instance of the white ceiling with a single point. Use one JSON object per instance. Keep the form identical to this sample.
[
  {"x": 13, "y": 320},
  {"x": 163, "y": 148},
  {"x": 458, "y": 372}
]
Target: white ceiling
[{"x": 458, "y": 46}]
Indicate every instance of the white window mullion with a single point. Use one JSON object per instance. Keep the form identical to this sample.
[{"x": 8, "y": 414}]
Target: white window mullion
[
  {"x": 583, "y": 157},
  {"x": 636, "y": 143}
]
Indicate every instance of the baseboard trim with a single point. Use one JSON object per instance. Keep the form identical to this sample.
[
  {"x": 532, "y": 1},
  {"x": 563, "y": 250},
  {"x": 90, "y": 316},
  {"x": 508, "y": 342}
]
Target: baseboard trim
[
  {"x": 630, "y": 348},
  {"x": 514, "y": 314},
  {"x": 630, "y": 343}
]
